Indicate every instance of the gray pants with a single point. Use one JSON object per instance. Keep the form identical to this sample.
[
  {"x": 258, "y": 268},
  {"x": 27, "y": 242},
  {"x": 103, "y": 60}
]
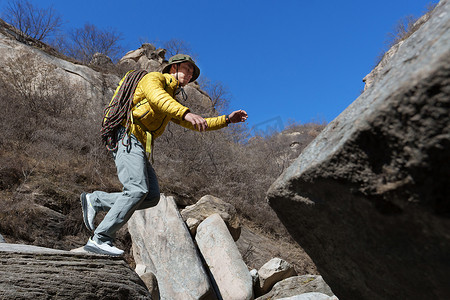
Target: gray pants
[{"x": 140, "y": 188}]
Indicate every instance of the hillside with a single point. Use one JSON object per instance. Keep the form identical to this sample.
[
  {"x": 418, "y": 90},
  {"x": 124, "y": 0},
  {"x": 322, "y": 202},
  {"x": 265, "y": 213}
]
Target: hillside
[
  {"x": 51, "y": 152},
  {"x": 366, "y": 196}
]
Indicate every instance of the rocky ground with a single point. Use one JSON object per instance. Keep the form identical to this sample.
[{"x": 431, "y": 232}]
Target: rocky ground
[
  {"x": 367, "y": 199},
  {"x": 187, "y": 254}
]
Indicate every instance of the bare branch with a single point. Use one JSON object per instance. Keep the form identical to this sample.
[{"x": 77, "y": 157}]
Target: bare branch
[
  {"x": 86, "y": 41},
  {"x": 34, "y": 22},
  {"x": 220, "y": 96},
  {"x": 175, "y": 46}
]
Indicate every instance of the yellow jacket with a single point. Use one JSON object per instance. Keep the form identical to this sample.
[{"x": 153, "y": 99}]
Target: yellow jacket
[{"x": 154, "y": 107}]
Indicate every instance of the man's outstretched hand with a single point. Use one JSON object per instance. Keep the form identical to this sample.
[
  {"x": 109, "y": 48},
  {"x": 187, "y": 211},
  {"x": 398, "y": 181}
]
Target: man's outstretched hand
[
  {"x": 200, "y": 123},
  {"x": 238, "y": 116}
]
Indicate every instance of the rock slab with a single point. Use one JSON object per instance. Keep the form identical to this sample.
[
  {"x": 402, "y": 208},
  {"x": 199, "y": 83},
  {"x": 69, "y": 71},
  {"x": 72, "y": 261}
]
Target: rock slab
[
  {"x": 368, "y": 199},
  {"x": 162, "y": 243},
  {"x": 224, "y": 260},
  {"x": 30, "y": 272}
]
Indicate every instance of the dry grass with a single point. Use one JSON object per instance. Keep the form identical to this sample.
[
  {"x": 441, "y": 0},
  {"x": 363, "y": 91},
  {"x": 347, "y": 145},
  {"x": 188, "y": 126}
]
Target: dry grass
[
  {"x": 49, "y": 154},
  {"x": 193, "y": 164}
]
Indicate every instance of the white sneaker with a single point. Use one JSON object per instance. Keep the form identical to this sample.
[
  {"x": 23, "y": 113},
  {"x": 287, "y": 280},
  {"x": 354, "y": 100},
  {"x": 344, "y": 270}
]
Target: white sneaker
[
  {"x": 88, "y": 212},
  {"x": 102, "y": 248}
]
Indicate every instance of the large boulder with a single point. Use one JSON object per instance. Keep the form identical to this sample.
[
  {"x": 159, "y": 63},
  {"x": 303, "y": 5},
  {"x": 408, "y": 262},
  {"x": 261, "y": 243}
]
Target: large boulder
[
  {"x": 224, "y": 260},
  {"x": 146, "y": 57},
  {"x": 209, "y": 205},
  {"x": 368, "y": 199},
  {"x": 30, "y": 272},
  {"x": 163, "y": 244}
]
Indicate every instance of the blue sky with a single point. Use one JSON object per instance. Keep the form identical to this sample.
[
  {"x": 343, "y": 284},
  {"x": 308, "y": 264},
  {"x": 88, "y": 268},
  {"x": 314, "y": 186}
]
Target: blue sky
[{"x": 280, "y": 60}]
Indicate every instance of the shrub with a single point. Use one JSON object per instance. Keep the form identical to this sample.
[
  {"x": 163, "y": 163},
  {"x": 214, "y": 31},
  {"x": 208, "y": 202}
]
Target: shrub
[
  {"x": 82, "y": 43},
  {"x": 192, "y": 164}
]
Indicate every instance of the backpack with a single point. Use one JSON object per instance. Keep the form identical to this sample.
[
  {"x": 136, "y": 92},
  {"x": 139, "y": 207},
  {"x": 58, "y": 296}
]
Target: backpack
[{"x": 119, "y": 108}]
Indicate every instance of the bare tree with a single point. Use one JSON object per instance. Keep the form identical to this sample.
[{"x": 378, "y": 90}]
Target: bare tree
[
  {"x": 220, "y": 96},
  {"x": 34, "y": 22},
  {"x": 175, "y": 46},
  {"x": 402, "y": 30},
  {"x": 84, "y": 42}
]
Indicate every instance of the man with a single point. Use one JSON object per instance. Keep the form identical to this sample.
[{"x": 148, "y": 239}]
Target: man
[{"x": 153, "y": 108}]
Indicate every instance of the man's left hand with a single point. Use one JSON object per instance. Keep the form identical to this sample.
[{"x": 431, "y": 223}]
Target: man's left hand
[{"x": 238, "y": 116}]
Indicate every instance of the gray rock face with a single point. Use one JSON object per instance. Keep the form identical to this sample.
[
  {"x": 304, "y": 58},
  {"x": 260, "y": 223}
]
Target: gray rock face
[
  {"x": 298, "y": 285},
  {"x": 368, "y": 198},
  {"x": 97, "y": 88},
  {"x": 224, "y": 260},
  {"x": 30, "y": 272},
  {"x": 161, "y": 242},
  {"x": 209, "y": 205},
  {"x": 94, "y": 88}
]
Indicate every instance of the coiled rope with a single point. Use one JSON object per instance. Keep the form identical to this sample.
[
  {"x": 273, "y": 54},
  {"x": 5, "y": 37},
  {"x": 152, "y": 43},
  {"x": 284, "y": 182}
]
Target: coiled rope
[{"x": 119, "y": 108}]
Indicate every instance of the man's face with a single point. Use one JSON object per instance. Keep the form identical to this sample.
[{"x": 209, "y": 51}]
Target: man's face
[{"x": 185, "y": 72}]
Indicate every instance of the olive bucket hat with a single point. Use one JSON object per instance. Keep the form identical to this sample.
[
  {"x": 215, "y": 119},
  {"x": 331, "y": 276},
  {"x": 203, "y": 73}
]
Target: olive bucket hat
[{"x": 180, "y": 58}]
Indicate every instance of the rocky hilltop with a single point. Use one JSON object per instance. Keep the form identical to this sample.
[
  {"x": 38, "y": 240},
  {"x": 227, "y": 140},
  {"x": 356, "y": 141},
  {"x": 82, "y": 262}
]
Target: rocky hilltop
[
  {"x": 368, "y": 199},
  {"x": 45, "y": 162}
]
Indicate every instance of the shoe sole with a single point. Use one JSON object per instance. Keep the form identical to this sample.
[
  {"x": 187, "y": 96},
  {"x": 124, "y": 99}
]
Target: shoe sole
[
  {"x": 97, "y": 250},
  {"x": 84, "y": 208}
]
